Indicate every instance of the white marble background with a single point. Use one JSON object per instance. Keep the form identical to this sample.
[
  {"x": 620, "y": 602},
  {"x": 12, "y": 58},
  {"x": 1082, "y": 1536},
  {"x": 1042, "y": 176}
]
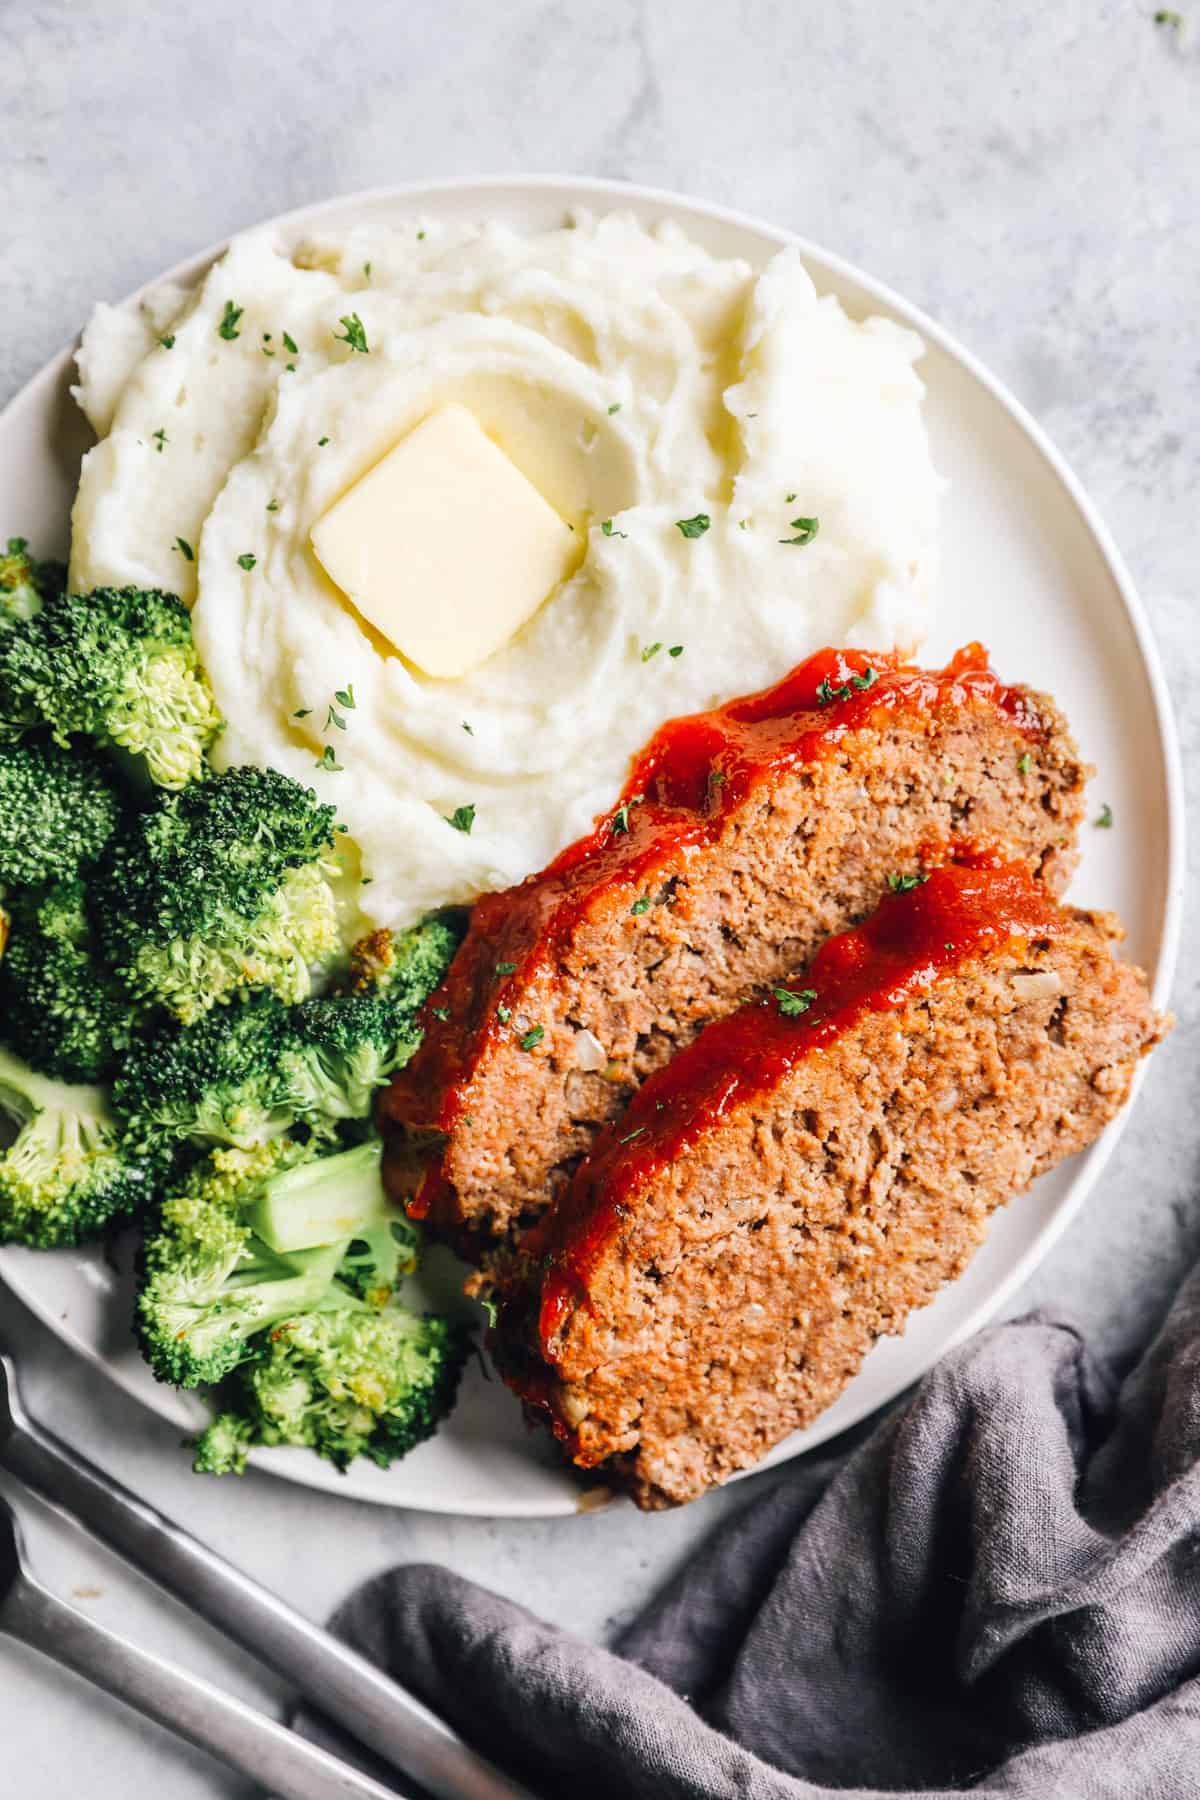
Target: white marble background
[{"x": 1027, "y": 172}]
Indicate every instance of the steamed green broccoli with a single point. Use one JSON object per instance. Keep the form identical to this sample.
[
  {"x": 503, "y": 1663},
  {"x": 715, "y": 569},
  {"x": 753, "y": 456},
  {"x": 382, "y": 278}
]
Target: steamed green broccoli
[
  {"x": 242, "y": 1075},
  {"x": 251, "y": 1238},
  {"x": 65, "y": 1173},
  {"x": 221, "y": 888},
  {"x": 118, "y": 665},
  {"x": 345, "y": 1045},
  {"x": 340, "y": 1050},
  {"x": 342, "y": 1383},
  {"x": 25, "y": 583},
  {"x": 58, "y": 1006},
  {"x": 404, "y": 967},
  {"x": 217, "y": 1082},
  {"x": 58, "y": 810},
  {"x": 378, "y": 1257}
]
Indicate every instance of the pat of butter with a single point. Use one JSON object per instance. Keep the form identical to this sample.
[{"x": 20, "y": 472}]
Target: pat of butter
[{"x": 443, "y": 546}]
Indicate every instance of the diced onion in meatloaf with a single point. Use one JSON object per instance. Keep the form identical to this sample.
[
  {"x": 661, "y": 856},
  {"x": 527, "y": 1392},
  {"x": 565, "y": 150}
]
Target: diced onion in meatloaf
[
  {"x": 812, "y": 1169},
  {"x": 744, "y": 837}
]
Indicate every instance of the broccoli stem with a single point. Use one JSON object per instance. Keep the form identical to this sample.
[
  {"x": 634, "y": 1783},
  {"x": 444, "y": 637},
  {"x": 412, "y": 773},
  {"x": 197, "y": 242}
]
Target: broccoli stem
[{"x": 333, "y": 1199}]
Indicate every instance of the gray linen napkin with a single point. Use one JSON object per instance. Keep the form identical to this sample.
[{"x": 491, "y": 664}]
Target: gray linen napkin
[{"x": 999, "y": 1590}]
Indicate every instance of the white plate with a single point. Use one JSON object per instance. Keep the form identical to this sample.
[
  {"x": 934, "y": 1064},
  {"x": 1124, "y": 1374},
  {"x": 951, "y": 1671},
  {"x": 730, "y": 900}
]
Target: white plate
[{"x": 1028, "y": 568}]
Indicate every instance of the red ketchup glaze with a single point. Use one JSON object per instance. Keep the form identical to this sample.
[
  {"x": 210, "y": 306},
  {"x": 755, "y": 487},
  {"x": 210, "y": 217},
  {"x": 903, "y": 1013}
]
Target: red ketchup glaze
[
  {"x": 964, "y": 908},
  {"x": 694, "y": 772}
]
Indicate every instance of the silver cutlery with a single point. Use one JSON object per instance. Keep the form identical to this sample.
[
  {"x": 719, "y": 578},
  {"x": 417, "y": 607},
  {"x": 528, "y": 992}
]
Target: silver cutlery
[
  {"x": 286, "y": 1765},
  {"x": 344, "y": 1685}
]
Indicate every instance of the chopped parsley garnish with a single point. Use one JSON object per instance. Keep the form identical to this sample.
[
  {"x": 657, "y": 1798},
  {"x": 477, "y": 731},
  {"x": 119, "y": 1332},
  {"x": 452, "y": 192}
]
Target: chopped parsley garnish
[
  {"x": 290, "y": 344},
  {"x": 904, "y": 884},
  {"x": 642, "y": 905},
  {"x": 333, "y": 717},
  {"x": 468, "y": 1120},
  {"x": 329, "y": 761},
  {"x": 440, "y": 1012},
  {"x": 272, "y": 506},
  {"x": 420, "y": 237},
  {"x": 228, "y": 327},
  {"x": 345, "y": 697},
  {"x": 302, "y": 712},
  {"x": 247, "y": 560},
  {"x": 827, "y": 693},
  {"x": 462, "y": 819},
  {"x": 651, "y": 650},
  {"x": 805, "y": 530},
  {"x": 354, "y": 335},
  {"x": 184, "y": 549},
  {"x": 620, "y": 819},
  {"x": 788, "y": 498},
  {"x": 160, "y": 438},
  {"x": 533, "y": 1036},
  {"x": 1103, "y": 819},
  {"x": 637, "y": 1132},
  {"x": 1166, "y": 17},
  {"x": 717, "y": 778},
  {"x": 1023, "y": 763},
  {"x": 675, "y": 650},
  {"x": 792, "y": 1002},
  {"x": 506, "y": 968},
  {"x": 504, "y": 1013},
  {"x": 321, "y": 443},
  {"x": 469, "y": 729},
  {"x": 366, "y": 881},
  {"x": 694, "y": 527},
  {"x": 614, "y": 408},
  {"x": 367, "y": 270},
  {"x": 168, "y": 342},
  {"x": 609, "y": 529}
]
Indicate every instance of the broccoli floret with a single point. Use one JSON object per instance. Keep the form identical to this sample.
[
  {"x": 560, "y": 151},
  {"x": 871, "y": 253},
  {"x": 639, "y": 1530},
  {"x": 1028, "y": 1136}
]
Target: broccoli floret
[
  {"x": 244, "y": 1074},
  {"x": 377, "y": 1258},
  {"x": 405, "y": 966},
  {"x": 118, "y": 665},
  {"x": 218, "y": 1081},
  {"x": 250, "y": 1239},
  {"x": 344, "y": 1047},
  {"x": 58, "y": 810},
  {"x": 25, "y": 583},
  {"x": 344, "y": 1384},
  {"x": 65, "y": 1174},
  {"x": 222, "y": 888},
  {"x": 58, "y": 1006},
  {"x": 340, "y": 1050},
  {"x": 222, "y": 1447}
]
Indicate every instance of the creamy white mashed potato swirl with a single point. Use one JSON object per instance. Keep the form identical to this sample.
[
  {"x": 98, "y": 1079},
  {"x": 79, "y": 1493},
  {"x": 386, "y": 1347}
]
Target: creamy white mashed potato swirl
[{"x": 633, "y": 378}]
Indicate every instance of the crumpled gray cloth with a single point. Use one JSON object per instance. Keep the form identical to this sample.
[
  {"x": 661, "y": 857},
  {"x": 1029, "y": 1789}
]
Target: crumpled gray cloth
[{"x": 998, "y": 1590}]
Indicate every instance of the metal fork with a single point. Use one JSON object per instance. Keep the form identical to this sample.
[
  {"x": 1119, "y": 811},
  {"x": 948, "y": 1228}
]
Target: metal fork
[
  {"x": 345, "y": 1686},
  {"x": 247, "y": 1740}
]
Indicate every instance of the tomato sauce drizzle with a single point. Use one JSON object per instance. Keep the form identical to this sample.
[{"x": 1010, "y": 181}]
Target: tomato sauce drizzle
[
  {"x": 693, "y": 774},
  {"x": 962, "y": 909}
]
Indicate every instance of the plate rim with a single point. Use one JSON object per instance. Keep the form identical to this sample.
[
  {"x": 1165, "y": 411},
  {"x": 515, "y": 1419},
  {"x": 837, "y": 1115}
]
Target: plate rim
[{"x": 310, "y": 1472}]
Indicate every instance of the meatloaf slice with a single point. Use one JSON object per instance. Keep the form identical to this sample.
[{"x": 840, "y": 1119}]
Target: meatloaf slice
[
  {"x": 744, "y": 837},
  {"x": 809, "y": 1171}
]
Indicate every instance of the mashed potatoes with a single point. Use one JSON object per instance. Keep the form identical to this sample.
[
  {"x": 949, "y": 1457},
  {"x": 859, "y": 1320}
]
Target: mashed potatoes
[{"x": 636, "y": 380}]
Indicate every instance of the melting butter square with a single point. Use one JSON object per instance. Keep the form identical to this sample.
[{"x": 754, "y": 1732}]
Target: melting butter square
[{"x": 444, "y": 546}]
